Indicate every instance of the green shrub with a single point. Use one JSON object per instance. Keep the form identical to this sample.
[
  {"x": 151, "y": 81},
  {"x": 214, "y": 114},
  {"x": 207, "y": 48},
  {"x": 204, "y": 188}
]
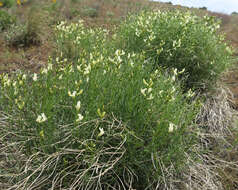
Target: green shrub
[
  {"x": 203, "y": 8},
  {"x": 90, "y": 11},
  {"x": 6, "y": 20},
  {"x": 74, "y": 41},
  {"x": 178, "y": 40},
  {"x": 110, "y": 14},
  {"x": 26, "y": 34},
  {"x": 76, "y": 1},
  {"x": 36, "y": 22},
  {"x": 105, "y": 121},
  {"x": 16, "y": 35},
  {"x": 8, "y": 3},
  {"x": 234, "y": 13}
]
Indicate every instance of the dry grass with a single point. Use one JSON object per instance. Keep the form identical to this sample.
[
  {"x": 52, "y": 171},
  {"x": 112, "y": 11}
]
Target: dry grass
[
  {"x": 217, "y": 135},
  {"x": 45, "y": 167},
  {"x": 212, "y": 163}
]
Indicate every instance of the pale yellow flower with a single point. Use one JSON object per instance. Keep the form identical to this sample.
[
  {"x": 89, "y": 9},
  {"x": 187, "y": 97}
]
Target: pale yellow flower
[
  {"x": 180, "y": 72},
  {"x": 101, "y": 133},
  {"x": 190, "y": 93},
  {"x": 173, "y": 78},
  {"x": 50, "y": 66},
  {"x": 42, "y": 134},
  {"x": 87, "y": 70},
  {"x": 15, "y": 91},
  {"x": 80, "y": 118},
  {"x": 7, "y": 83},
  {"x": 101, "y": 114},
  {"x": 79, "y": 67},
  {"x": 119, "y": 59},
  {"x": 34, "y": 77},
  {"x": 41, "y": 118},
  {"x": 172, "y": 127},
  {"x": 151, "y": 97},
  {"x": 144, "y": 81},
  {"x": 73, "y": 94},
  {"x": 45, "y": 71},
  {"x": 150, "y": 83},
  {"x": 20, "y": 82},
  {"x": 143, "y": 91},
  {"x": 78, "y": 105},
  {"x": 149, "y": 90},
  {"x": 20, "y": 104},
  {"x": 14, "y": 83},
  {"x": 24, "y": 77}
]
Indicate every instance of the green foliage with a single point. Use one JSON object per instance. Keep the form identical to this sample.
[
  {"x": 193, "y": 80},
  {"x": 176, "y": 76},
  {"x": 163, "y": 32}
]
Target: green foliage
[
  {"x": 178, "y": 40},
  {"x": 16, "y": 35},
  {"x": 35, "y": 26},
  {"x": 234, "y": 13},
  {"x": 90, "y": 11},
  {"x": 105, "y": 119},
  {"x": 203, "y": 8},
  {"x": 26, "y": 34},
  {"x": 8, "y": 3},
  {"x": 110, "y": 14},
  {"x": 76, "y": 1},
  {"x": 6, "y": 20},
  {"x": 74, "y": 41}
]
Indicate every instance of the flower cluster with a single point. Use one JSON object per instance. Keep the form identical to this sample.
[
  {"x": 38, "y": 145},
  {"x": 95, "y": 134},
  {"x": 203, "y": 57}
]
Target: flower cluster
[
  {"x": 77, "y": 36},
  {"x": 41, "y": 118},
  {"x": 147, "y": 91},
  {"x": 175, "y": 39}
]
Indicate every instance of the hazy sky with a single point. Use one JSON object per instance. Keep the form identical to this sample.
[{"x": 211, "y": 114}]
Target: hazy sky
[{"x": 224, "y": 6}]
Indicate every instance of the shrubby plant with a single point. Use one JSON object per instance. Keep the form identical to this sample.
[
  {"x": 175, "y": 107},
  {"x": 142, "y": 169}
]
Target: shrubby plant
[
  {"x": 35, "y": 26},
  {"x": 11, "y": 3},
  {"x": 178, "y": 40},
  {"x": 7, "y": 3},
  {"x": 6, "y": 20},
  {"x": 16, "y": 35},
  {"x": 90, "y": 11},
  {"x": 74, "y": 41},
  {"x": 28, "y": 33},
  {"x": 109, "y": 112},
  {"x": 106, "y": 120}
]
